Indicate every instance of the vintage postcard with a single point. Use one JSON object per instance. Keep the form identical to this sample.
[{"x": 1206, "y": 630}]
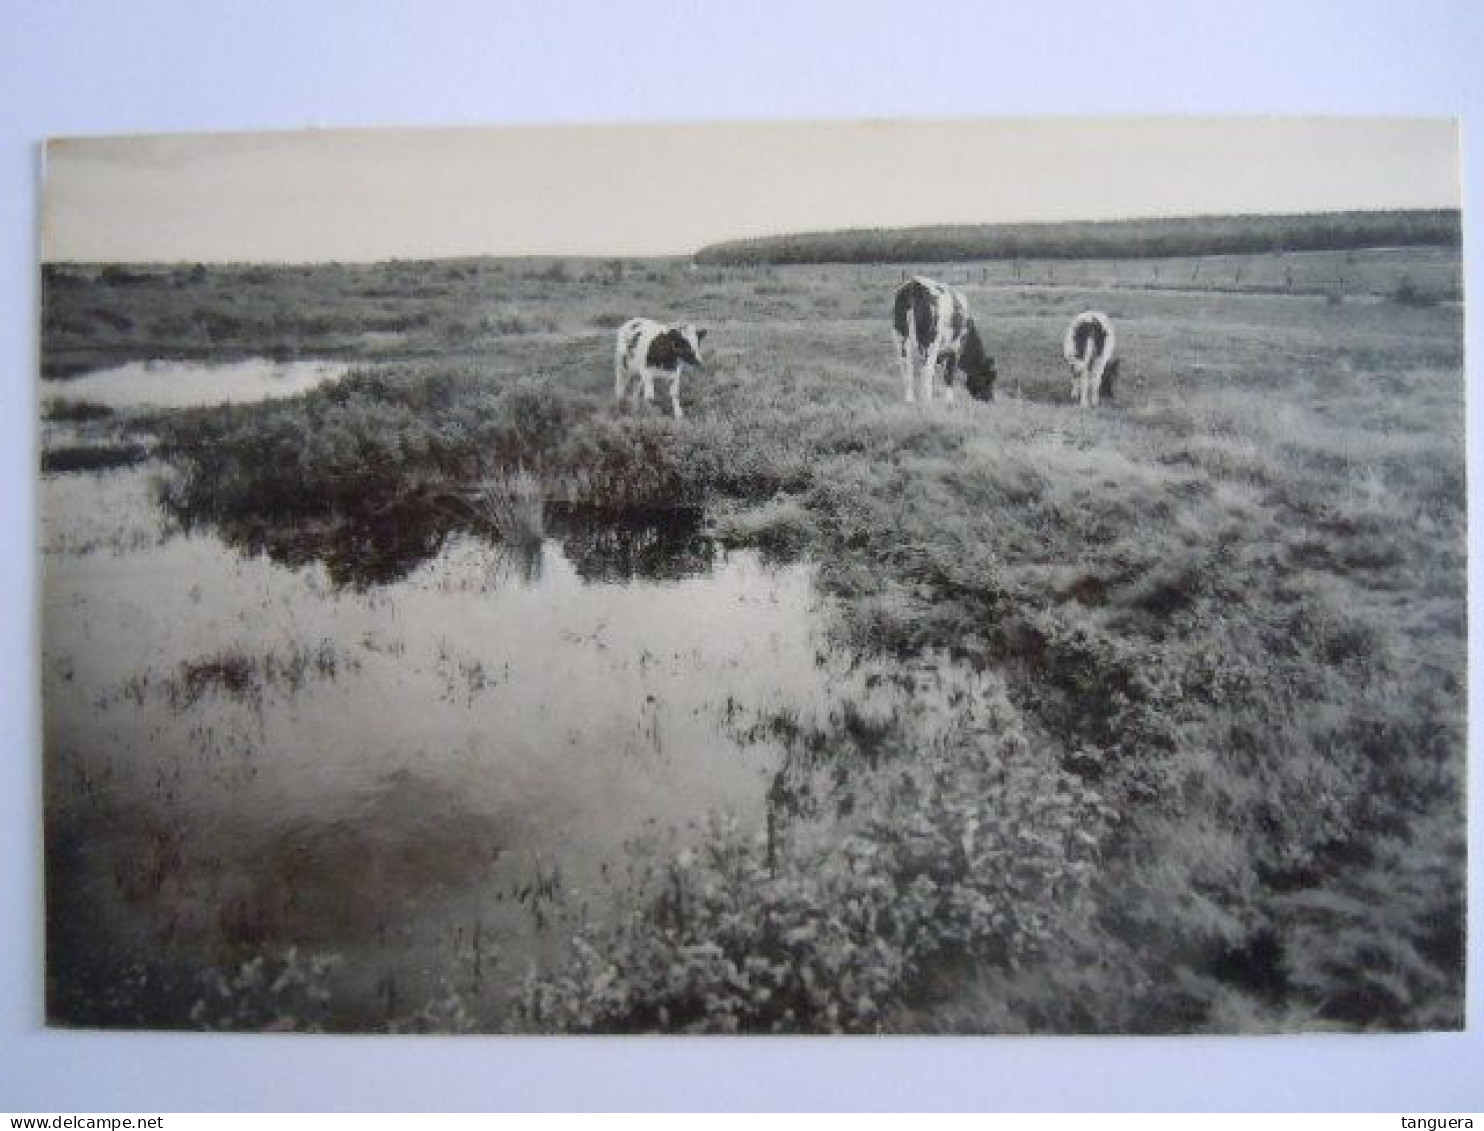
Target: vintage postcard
[{"x": 902, "y": 577}]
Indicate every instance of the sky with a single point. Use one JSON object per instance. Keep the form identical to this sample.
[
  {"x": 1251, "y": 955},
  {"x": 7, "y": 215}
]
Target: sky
[{"x": 366, "y": 195}]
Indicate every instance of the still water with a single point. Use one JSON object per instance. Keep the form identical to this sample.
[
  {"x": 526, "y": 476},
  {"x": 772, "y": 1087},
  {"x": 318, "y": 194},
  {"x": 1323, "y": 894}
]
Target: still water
[
  {"x": 429, "y": 779},
  {"x": 179, "y": 384}
]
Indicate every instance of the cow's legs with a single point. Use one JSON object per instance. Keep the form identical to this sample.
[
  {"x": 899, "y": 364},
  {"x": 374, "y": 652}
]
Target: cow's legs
[
  {"x": 950, "y": 367},
  {"x": 905, "y": 358},
  {"x": 675, "y": 393},
  {"x": 929, "y": 372},
  {"x": 1081, "y": 367},
  {"x": 647, "y": 376}
]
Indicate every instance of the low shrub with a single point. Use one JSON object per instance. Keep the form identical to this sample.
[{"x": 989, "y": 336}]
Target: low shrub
[
  {"x": 973, "y": 845},
  {"x": 782, "y": 528}
]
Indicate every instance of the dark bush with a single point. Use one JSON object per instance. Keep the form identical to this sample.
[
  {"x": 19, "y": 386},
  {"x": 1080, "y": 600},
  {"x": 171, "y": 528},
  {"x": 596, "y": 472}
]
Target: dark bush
[
  {"x": 74, "y": 412},
  {"x": 95, "y": 457}
]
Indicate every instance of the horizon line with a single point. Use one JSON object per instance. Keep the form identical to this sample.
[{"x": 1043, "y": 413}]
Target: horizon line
[{"x": 797, "y": 234}]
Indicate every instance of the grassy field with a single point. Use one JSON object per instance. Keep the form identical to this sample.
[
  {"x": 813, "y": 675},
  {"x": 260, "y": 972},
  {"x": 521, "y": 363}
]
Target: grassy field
[{"x": 1188, "y": 749}]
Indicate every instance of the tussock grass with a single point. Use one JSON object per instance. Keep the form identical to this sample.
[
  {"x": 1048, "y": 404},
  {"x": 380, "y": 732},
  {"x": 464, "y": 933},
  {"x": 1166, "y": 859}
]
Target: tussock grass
[{"x": 511, "y": 507}]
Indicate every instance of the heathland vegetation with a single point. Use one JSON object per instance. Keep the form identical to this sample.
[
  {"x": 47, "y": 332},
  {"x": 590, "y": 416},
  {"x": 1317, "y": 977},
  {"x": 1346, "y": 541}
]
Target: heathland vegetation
[{"x": 1187, "y": 673}]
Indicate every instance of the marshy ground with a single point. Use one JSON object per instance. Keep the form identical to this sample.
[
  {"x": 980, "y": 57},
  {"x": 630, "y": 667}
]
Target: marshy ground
[{"x": 446, "y": 694}]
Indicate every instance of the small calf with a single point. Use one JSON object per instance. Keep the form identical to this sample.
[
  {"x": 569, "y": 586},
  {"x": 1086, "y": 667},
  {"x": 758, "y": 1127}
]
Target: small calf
[
  {"x": 1088, "y": 348},
  {"x": 647, "y": 349}
]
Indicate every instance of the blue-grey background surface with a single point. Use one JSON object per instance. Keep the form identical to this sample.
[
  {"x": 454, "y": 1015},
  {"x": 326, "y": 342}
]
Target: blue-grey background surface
[{"x": 93, "y": 67}]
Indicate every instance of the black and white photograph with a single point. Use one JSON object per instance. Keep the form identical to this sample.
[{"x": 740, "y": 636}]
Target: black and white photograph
[{"x": 991, "y": 576}]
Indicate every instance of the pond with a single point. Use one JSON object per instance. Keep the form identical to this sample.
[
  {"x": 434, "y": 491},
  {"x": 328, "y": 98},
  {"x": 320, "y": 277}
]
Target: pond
[
  {"x": 180, "y": 384},
  {"x": 424, "y": 779}
]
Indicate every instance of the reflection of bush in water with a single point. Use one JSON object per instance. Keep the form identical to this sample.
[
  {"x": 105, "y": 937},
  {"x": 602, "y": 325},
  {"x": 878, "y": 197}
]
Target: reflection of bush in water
[
  {"x": 357, "y": 551},
  {"x": 362, "y": 551},
  {"x": 651, "y": 545},
  {"x": 524, "y": 560}
]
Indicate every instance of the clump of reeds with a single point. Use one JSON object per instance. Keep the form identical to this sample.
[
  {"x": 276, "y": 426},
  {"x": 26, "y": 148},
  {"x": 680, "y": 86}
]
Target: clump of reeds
[
  {"x": 234, "y": 673},
  {"x": 511, "y": 506}
]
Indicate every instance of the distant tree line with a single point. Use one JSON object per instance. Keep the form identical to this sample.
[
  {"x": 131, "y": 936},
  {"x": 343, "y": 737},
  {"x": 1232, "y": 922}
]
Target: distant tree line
[{"x": 1111, "y": 239}]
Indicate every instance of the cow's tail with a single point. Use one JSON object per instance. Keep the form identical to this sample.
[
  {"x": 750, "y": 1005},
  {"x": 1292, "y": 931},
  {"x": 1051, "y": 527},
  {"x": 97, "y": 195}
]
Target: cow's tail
[{"x": 909, "y": 339}]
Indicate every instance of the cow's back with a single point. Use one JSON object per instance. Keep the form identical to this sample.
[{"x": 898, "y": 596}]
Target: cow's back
[
  {"x": 631, "y": 342},
  {"x": 915, "y": 311},
  {"x": 930, "y": 313},
  {"x": 1089, "y": 336}
]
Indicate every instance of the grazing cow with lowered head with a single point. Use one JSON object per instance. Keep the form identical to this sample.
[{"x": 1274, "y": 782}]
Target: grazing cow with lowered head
[
  {"x": 1088, "y": 348},
  {"x": 648, "y": 349},
  {"x": 931, "y": 323}
]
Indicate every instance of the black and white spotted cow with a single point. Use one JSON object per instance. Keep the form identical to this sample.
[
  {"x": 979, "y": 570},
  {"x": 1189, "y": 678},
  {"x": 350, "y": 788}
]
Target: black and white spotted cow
[
  {"x": 1088, "y": 348},
  {"x": 647, "y": 349},
  {"x": 931, "y": 324}
]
